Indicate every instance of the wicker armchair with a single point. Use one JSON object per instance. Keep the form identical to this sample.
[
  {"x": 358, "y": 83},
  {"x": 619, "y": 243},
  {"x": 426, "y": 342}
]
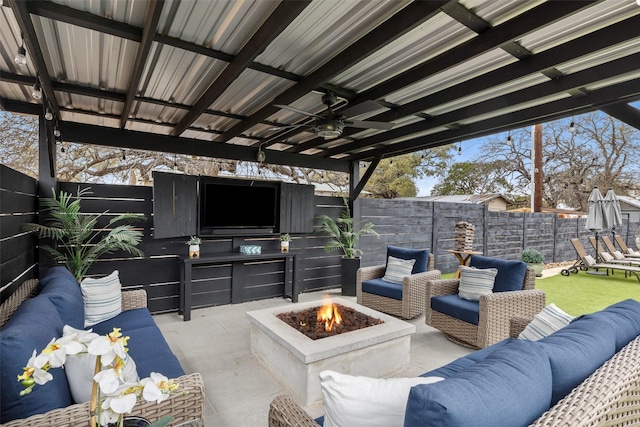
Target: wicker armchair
[
  {"x": 495, "y": 312},
  {"x": 183, "y": 407},
  {"x": 413, "y": 291}
]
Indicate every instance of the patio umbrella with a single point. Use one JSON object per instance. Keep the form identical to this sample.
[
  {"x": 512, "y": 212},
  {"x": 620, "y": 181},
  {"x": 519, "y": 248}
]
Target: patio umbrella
[
  {"x": 596, "y": 219},
  {"x": 612, "y": 210}
]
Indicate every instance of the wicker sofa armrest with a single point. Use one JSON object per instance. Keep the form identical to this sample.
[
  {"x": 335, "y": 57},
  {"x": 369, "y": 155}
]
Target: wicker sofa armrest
[
  {"x": 133, "y": 299},
  {"x": 609, "y": 396},
  {"x": 442, "y": 287},
  {"x": 182, "y": 407},
  {"x": 372, "y": 272},
  {"x": 497, "y": 309},
  {"x": 285, "y": 412},
  {"x": 517, "y": 325},
  {"x": 529, "y": 279}
]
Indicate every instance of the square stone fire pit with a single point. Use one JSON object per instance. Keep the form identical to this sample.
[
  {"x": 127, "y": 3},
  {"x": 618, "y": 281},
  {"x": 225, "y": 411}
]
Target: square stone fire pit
[{"x": 296, "y": 360}]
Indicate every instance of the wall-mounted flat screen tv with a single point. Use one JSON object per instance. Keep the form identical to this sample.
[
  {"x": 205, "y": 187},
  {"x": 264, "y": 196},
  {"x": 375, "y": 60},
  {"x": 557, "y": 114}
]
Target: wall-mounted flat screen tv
[{"x": 233, "y": 207}]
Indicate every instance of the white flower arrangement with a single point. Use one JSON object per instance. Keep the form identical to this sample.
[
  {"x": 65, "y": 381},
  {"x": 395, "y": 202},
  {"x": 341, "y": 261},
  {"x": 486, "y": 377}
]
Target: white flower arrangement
[{"x": 116, "y": 396}]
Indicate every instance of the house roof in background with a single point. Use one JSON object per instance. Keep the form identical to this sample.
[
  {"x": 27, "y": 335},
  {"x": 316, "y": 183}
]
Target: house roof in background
[
  {"x": 629, "y": 201},
  {"x": 206, "y": 78}
]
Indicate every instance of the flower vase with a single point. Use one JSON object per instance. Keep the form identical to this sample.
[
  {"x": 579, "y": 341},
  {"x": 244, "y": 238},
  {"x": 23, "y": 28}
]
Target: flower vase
[
  {"x": 194, "y": 251},
  {"x": 284, "y": 247}
]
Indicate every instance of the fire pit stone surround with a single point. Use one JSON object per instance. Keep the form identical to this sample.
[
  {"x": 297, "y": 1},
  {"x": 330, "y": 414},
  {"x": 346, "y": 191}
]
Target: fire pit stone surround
[{"x": 296, "y": 360}]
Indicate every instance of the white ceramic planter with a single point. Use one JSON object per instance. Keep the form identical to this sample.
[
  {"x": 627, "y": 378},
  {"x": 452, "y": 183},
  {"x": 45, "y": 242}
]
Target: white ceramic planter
[
  {"x": 194, "y": 251},
  {"x": 284, "y": 246}
]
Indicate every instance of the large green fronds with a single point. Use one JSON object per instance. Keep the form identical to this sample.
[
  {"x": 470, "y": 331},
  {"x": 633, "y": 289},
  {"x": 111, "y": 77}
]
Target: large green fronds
[{"x": 79, "y": 243}]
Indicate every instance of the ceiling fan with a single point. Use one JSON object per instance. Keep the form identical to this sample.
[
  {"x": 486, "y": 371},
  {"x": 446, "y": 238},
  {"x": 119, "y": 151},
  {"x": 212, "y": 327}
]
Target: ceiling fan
[{"x": 329, "y": 124}]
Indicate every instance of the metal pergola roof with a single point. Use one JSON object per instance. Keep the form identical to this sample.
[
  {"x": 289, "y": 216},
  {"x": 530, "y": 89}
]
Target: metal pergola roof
[{"x": 201, "y": 77}]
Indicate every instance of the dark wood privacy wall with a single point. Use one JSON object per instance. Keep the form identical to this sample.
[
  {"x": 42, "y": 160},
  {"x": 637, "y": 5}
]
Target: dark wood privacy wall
[{"x": 18, "y": 254}]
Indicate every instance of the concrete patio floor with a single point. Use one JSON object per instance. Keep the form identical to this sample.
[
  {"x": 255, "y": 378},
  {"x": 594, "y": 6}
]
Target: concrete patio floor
[{"x": 238, "y": 388}]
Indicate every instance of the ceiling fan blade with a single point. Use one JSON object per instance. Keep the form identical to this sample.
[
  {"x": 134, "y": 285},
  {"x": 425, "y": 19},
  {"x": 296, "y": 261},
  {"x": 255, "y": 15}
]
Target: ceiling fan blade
[
  {"x": 306, "y": 113},
  {"x": 362, "y": 108},
  {"x": 369, "y": 124}
]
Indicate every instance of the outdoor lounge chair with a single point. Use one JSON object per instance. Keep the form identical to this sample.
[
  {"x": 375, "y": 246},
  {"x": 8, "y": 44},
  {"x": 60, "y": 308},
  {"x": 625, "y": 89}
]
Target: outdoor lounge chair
[
  {"x": 478, "y": 324},
  {"x": 627, "y": 251},
  {"x": 588, "y": 262},
  {"x": 613, "y": 258},
  {"x": 404, "y": 300},
  {"x": 615, "y": 252}
]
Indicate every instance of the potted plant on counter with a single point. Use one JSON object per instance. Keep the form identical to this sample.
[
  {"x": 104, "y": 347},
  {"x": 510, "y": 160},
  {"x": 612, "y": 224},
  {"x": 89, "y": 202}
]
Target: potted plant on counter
[
  {"x": 345, "y": 233},
  {"x": 535, "y": 259},
  {"x": 284, "y": 242},
  {"x": 194, "y": 246}
]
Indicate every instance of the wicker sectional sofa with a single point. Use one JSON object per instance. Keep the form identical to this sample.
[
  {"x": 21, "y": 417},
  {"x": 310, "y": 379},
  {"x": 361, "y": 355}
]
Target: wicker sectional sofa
[
  {"x": 586, "y": 374},
  {"x": 35, "y": 314}
]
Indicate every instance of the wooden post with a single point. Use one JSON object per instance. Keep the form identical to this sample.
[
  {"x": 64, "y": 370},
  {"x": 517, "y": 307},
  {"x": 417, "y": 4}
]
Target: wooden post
[{"x": 536, "y": 154}]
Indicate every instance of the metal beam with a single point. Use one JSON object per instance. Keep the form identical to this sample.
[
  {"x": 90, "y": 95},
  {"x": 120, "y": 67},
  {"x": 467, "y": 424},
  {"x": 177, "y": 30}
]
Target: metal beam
[
  {"x": 279, "y": 19},
  {"x": 399, "y": 24},
  {"x": 597, "y": 100},
  {"x": 23, "y": 18},
  {"x": 538, "y": 92},
  {"x": 490, "y": 39},
  {"x": 625, "y": 113},
  {"x": 124, "y": 138},
  {"x": 365, "y": 178},
  {"x": 154, "y": 9}
]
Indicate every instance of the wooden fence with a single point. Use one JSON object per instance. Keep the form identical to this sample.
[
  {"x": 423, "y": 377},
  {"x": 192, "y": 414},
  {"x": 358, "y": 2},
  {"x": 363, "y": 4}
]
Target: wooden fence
[{"x": 410, "y": 223}]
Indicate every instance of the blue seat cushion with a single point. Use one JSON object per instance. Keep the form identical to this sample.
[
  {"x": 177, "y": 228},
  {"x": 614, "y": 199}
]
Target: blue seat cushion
[
  {"x": 454, "y": 306},
  {"x": 510, "y": 387},
  {"x": 130, "y": 319},
  {"x": 576, "y": 351},
  {"x": 420, "y": 255},
  {"x": 34, "y": 324},
  {"x": 147, "y": 346},
  {"x": 59, "y": 285},
  {"x": 624, "y": 317},
  {"x": 464, "y": 362},
  {"x": 382, "y": 288},
  {"x": 510, "y": 275}
]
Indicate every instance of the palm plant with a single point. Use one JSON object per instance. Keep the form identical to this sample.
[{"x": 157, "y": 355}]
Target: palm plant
[
  {"x": 78, "y": 242},
  {"x": 343, "y": 232}
]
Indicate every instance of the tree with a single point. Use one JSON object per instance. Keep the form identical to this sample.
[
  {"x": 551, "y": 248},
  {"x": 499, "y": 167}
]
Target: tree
[
  {"x": 395, "y": 177},
  {"x": 19, "y": 142},
  {"x": 600, "y": 151},
  {"x": 474, "y": 178}
]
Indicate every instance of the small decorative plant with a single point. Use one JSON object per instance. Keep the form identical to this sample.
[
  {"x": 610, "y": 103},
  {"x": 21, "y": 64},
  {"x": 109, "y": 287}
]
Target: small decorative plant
[
  {"x": 111, "y": 396},
  {"x": 285, "y": 237},
  {"x": 343, "y": 232},
  {"x": 532, "y": 256},
  {"x": 194, "y": 240}
]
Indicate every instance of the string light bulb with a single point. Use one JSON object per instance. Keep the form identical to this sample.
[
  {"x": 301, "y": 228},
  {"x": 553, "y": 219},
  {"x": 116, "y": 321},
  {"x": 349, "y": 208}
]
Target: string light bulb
[
  {"x": 460, "y": 149},
  {"x": 572, "y": 127},
  {"x": 124, "y": 156},
  {"x": 48, "y": 114},
  {"x": 56, "y": 131},
  {"x": 37, "y": 91},
  {"x": 509, "y": 141},
  {"x": 21, "y": 56}
]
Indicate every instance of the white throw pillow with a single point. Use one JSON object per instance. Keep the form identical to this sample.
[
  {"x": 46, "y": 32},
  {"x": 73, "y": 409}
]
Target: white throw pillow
[
  {"x": 397, "y": 269},
  {"x": 102, "y": 298},
  {"x": 618, "y": 255},
  {"x": 354, "y": 401},
  {"x": 80, "y": 368},
  {"x": 549, "y": 320},
  {"x": 606, "y": 256},
  {"x": 475, "y": 282},
  {"x": 589, "y": 260}
]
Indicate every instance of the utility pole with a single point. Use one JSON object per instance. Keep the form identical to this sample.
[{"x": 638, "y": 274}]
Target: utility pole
[{"x": 536, "y": 168}]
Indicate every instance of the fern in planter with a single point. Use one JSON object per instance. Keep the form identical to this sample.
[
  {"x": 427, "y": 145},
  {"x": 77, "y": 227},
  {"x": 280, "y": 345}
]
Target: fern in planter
[{"x": 79, "y": 243}]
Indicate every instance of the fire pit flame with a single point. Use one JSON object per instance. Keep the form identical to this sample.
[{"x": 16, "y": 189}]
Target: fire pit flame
[{"x": 329, "y": 315}]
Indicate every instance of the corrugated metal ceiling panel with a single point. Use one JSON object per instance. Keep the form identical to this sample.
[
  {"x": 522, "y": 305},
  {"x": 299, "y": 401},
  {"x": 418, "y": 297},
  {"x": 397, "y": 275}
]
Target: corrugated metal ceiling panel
[{"x": 323, "y": 30}]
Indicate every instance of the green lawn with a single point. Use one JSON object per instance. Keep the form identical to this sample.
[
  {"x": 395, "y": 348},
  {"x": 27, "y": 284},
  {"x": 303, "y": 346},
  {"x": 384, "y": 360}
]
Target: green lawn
[{"x": 584, "y": 293}]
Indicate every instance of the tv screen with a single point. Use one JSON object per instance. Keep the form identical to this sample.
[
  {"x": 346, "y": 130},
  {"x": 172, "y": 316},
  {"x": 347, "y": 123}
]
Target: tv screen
[{"x": 238, "y": 205}]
